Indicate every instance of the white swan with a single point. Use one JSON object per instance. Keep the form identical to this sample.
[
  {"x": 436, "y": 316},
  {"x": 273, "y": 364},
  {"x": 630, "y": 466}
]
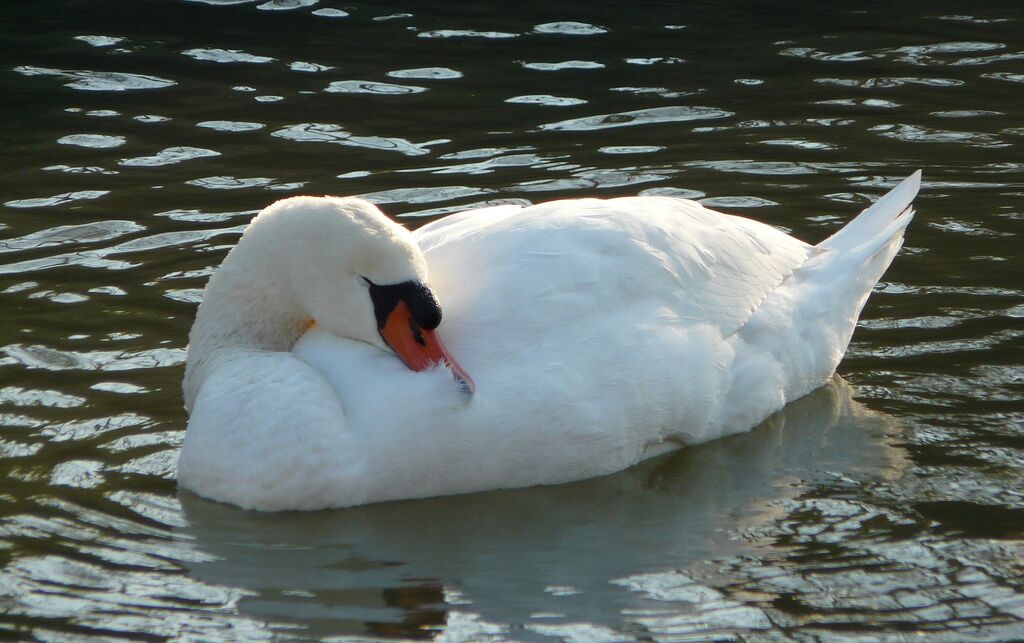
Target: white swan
[{"x": 596, "y": 333}]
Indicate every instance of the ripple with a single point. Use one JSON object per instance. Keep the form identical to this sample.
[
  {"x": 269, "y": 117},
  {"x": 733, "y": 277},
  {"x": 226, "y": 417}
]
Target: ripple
[
  {"x": 17, "y": 396},
  {"x": 57, "y": 199},
  {"x": 150, "y": 118},
  {"x": 658, "y": 60},
  {"x": 545, "y": 99},
  {"x": 329, "y": 133},
  {"x": 979, "y": 21},
  {"x": 71, "y": 234},
  {"x": 737, "y": 202},
  {"x": 799, "y": 143},
  {"x": 230, "y": 182},
  {"x": 672, "y": 114},
  {"x": 1005, "y": 75},
  {"x": 569, "y": 28},
  {"x": 773, "y": 168},
  {"x": 565, "y": 64},
  {"x": 966, "y": 227},
  {"x": 816, "y": 54},
  {"x": 96, "y": 141},
  {"x": 988, "y": 60},
  {"x": 426, "y": 73},
  {"x": 109, "y": 81},
  {"x": 370, "y": 87},
  {"x": 330, "y": 13},
  {"x": 309, "y": 68},
  {"x": 664, "y": 92},
  {"x": 679, "y": 193},
  {"x": 226, "y": 56},
  {"x": 966, "y": 113},
  {"x": 498, "y": 159},
  {"x": 79, "y": 169},
  {"x": 231, "y": 126},
  {"x": 596, "y": 179},
  {"x": 286, "y": 5},
  {"x": 890, "y": 82},
  {"x": 169, "y": 156},
  {"x": 100, "y": 41},
  {"x": 51, "y": 359},
  {"x": 920, "y": 134},
  {"x": 630, "y": 149},
  {"x": 392, "y": 16},
  {"x": 424, "y": 195},
  {"x": 467, "y": 33},
  {"x": 853, "y": 102}
]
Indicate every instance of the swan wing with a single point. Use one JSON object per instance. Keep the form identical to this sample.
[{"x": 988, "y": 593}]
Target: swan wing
[{"x": 666, "y": 256}]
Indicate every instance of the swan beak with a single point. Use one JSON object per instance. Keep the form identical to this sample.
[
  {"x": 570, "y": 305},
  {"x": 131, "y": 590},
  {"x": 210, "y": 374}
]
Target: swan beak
[{"x": 420, "y": 348}]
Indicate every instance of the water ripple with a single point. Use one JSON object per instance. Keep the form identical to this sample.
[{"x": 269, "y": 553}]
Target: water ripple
[
  {"x": 426, "y": 73},
  {"x": 566, "y": 64},
  {"x": 677, "y": 113},
  {"x": 920, "y": 134},
  {"x": 100, "y": 41},
  {"x": 424, "y": 195},
  {"x": 545, "y": 99},
  {"x": 286, "y": 5},
  {"x": 231, "y": 126},
  {"x": 230, "y": 182},
  {"x": 100, "y": 81},
  {"x": 569, "y": 28},
  {"x": 51, "y": 359},
  {"x": 890, "y": 82},
  {"x": 329, "y": 133},
  {"x": 330, "y": 13},
  {"x": 96, "y": 141},
  {"x": 169, "y": 156},
  {"x": 370, "y": 87},
  {"x": 57, "y": 199},
  {"x": 307, "y": 67},
  {"x": 226, "y": 56},
  {"x": 467, "y": 33},
  {"x": 71, "y": 234}
]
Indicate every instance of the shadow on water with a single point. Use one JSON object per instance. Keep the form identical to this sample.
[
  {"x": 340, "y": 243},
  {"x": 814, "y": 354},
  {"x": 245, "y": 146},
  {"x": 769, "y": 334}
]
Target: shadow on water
[{"x": 545, "y": 553}]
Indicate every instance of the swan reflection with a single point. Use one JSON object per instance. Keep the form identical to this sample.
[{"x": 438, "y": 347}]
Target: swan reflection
[{"x": 541, "y": 555}]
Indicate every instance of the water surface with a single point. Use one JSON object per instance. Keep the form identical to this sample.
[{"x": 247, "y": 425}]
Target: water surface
[{"x": 140, "y": 138}]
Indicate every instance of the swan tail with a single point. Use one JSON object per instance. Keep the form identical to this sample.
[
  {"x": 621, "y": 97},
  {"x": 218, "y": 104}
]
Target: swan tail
[
  {"x": 877, "y": 226},
  {"x": 795, "y": 340}
]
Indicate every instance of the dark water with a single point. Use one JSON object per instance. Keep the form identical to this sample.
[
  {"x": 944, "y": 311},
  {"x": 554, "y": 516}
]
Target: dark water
[{"x": 139, "y": 137}]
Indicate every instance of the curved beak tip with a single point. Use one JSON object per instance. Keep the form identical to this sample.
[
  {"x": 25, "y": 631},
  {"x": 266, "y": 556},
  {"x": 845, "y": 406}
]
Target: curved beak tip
[
  {"x": 421, "y": 349},
  {"x": 466, "y": 385}
]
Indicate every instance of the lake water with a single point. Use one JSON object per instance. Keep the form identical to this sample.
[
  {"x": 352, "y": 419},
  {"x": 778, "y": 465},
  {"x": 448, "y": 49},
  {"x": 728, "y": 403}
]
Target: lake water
[{"x": 139, "y": 138}]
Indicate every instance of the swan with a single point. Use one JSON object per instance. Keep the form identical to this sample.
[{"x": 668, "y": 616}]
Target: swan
[{"x": 578, "y": 338}]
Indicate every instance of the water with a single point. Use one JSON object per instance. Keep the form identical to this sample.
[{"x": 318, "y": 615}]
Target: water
[{"x": 140, "y": 138}]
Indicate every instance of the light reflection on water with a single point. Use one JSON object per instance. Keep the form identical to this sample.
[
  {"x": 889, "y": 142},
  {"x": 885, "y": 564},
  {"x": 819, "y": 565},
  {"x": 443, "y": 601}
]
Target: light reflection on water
[{"x": 143, "y": 141}]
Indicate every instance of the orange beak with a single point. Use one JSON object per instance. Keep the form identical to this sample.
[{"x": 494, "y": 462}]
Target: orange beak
[{"x": 418, "y": 347}]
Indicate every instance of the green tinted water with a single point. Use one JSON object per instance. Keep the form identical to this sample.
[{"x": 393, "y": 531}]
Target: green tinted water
[{"x": 140, "y": 138}]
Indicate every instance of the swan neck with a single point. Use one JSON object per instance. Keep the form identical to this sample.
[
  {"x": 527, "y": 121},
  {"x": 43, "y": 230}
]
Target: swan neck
[{"x": 242, "y": 311}]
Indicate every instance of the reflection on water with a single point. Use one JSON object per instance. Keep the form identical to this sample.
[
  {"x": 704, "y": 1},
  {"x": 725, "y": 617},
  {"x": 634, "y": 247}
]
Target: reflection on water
[
  {"x": 588, "y": 552},
  {"x": 140, "y": 140}
]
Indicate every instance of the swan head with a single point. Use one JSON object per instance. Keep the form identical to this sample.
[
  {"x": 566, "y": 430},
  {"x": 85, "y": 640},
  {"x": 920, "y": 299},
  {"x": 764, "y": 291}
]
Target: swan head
[{"x": 342, "y": 264}]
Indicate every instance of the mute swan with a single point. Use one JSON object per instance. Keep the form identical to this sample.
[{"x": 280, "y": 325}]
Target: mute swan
[{"x": 589, "y": 335}]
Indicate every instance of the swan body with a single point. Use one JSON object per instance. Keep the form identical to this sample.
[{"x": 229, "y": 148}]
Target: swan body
[{"x": 598, "y": 333}]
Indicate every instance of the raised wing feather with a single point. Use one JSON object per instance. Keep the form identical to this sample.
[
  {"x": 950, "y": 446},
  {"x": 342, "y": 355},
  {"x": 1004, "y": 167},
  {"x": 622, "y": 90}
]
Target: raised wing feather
[{"x": 671, "y": 258}]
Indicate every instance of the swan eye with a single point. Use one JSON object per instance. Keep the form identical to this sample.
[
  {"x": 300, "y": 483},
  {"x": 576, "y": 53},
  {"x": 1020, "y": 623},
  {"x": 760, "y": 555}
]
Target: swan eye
[{"x": 417, "y": 334}]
